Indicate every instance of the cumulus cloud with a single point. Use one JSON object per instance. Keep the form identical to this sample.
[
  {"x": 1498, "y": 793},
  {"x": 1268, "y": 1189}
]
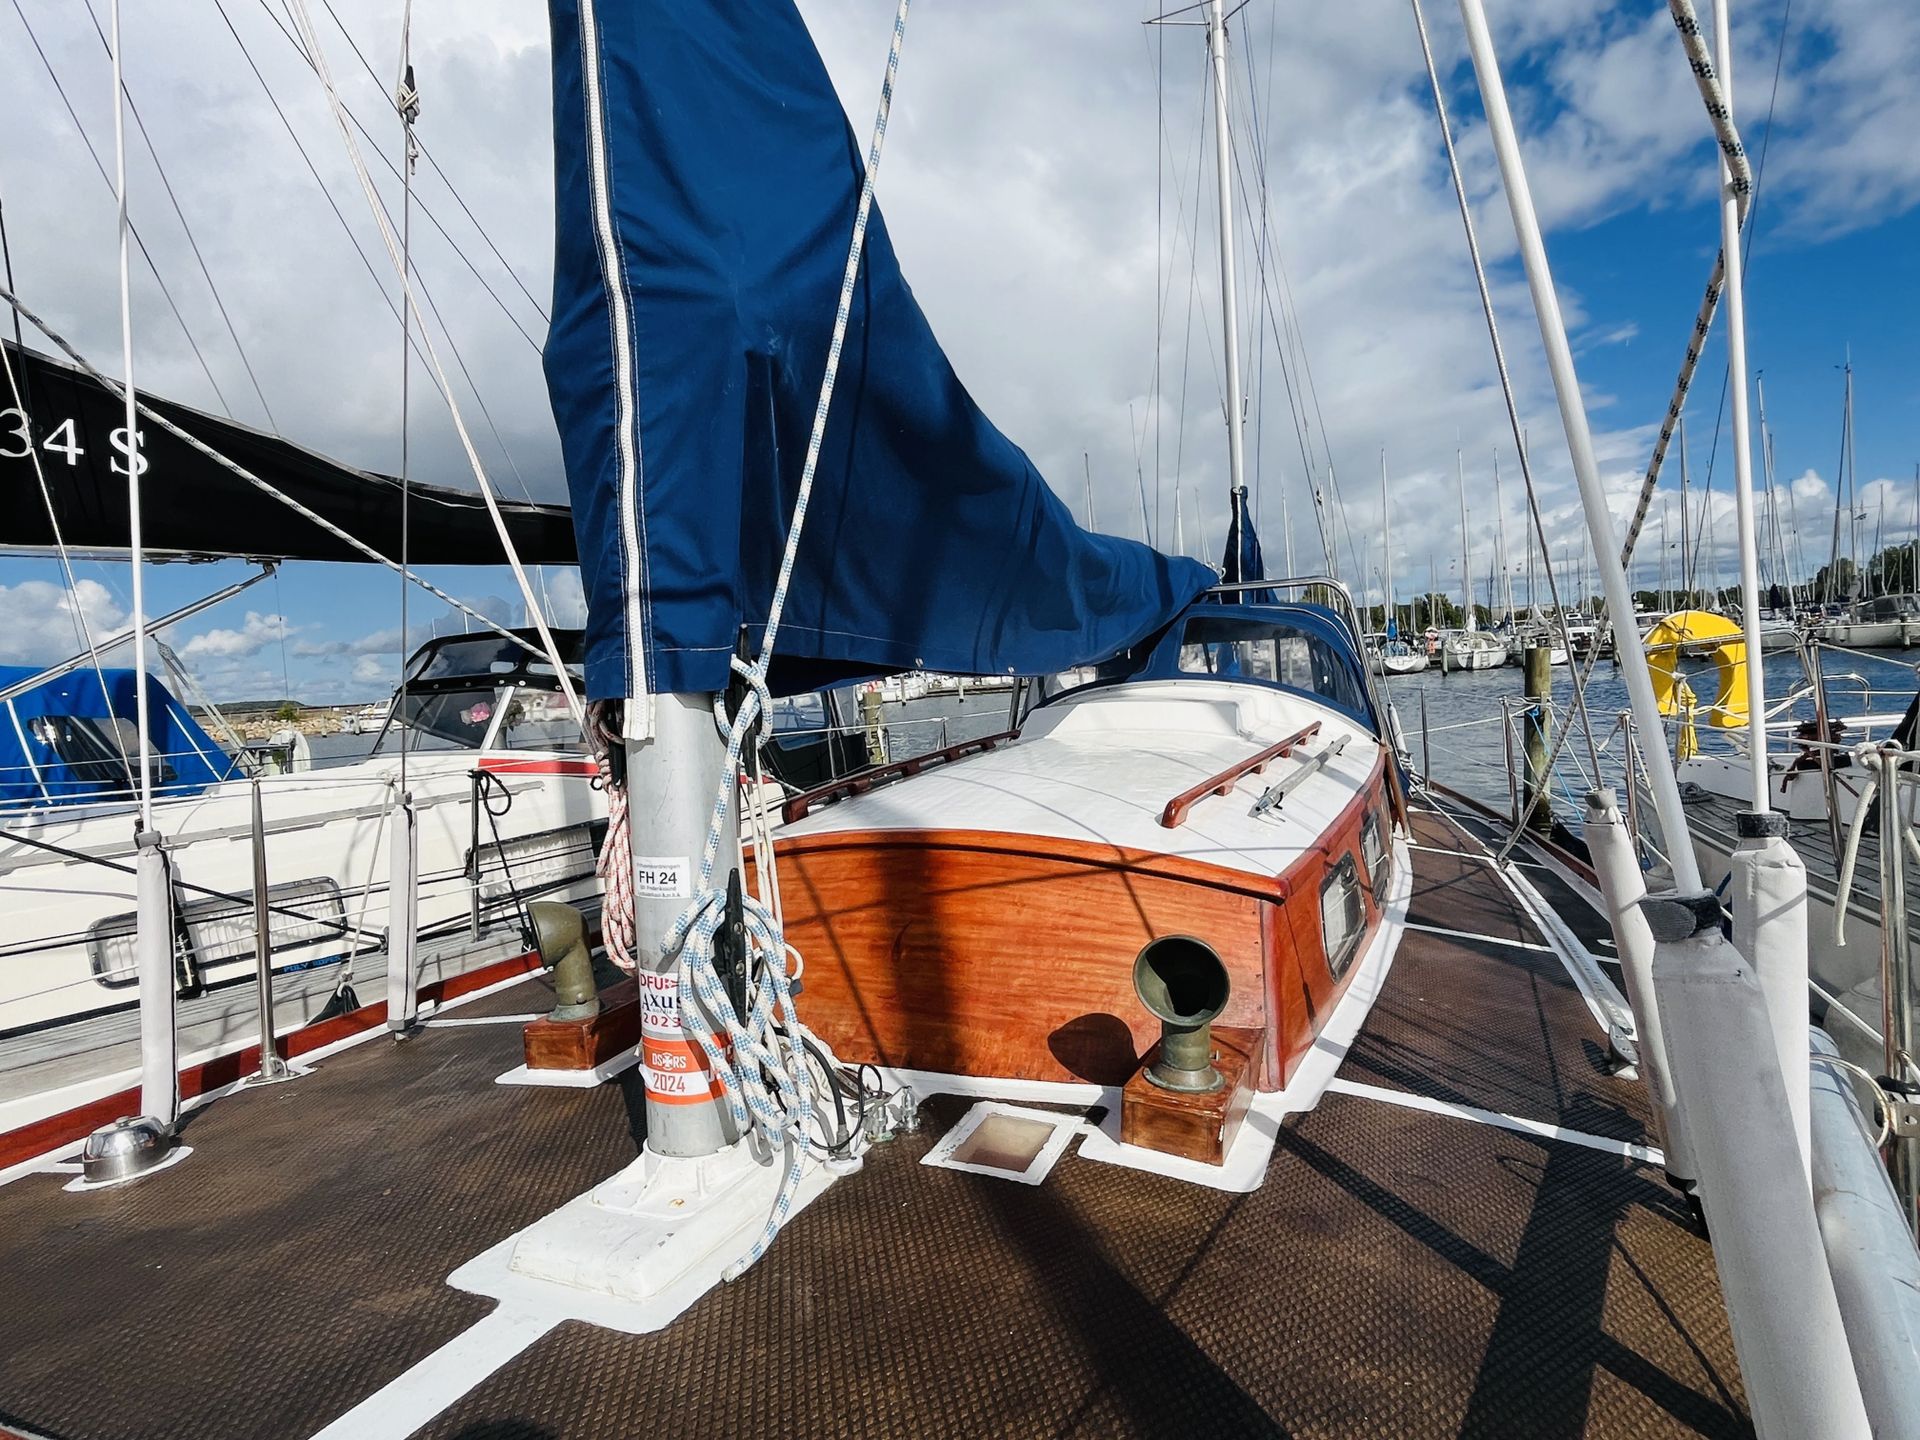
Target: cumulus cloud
[
  {"x": 256, "y": 634},
  {"x": 41, "y": 622},
  {"x": 1053, "y": 214}
]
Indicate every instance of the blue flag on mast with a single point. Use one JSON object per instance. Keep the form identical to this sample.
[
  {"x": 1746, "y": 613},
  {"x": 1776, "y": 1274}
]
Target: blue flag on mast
[{"x": 706, "y": 181}]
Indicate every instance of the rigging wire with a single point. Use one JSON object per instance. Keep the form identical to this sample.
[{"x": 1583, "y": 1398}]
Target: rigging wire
[
  {"x": 1746, "y": 252},
  {"x": 788, "y": 1114},
  {"x": 392, "y": 170},
  {"x": 1740, "y": 174},
  {"x": 419, "y": 283},
  {"x": 114, "y": 387},
  {"x": 372, "y": 270},
  {"x": 1339, "y": 515},
  {"x": 166, "y": 184},
  {"x": 1159, "y": 229},
  {"x": 83, "y": 630},
  {"x": 534, "y": 613},
  {"x": 138, "y": 238},
  {"x": 422, "y": 152},
  {"x": 1520, "y": 444},
  {"x": 406, "y": 105}
]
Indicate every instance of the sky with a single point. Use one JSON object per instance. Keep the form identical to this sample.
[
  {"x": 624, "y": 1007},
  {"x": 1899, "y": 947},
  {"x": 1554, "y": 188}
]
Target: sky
[{"x": 1048, "y": 184}]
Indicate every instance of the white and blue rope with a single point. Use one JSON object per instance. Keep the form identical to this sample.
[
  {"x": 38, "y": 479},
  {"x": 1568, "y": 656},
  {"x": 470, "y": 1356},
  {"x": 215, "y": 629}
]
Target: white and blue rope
[
  {"x": 769, "y": 1042},
  {"x": 1700, "y": 59}
]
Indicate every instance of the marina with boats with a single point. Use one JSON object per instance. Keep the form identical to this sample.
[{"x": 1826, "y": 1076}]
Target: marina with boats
[{"x": 1007, "y": 980}]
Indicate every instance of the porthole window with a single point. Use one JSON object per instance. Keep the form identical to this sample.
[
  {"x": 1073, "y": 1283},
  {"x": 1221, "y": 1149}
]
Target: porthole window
[
  {"x": 1342, "y": 914},
  {"x": 1373, "y": 850}
]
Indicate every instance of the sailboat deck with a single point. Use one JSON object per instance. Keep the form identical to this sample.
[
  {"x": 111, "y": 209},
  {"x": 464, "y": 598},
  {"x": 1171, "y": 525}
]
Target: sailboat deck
[{"x": 1403, "y": 1270}]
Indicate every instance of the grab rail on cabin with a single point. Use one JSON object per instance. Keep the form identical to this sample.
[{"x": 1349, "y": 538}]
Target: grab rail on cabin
[
  {"x": 861, "y": 781},
  {"x": 1178, "y": 808}
]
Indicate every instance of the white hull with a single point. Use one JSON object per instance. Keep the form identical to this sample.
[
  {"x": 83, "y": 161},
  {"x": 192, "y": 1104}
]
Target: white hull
[
  {"x": 68, "y": 949},
  {"x": 1473, "y": 650},
  {"x": 1517, "y": 652},
  {"x": 1869, "y": 634},
  {"x": 1851, "y": 972},
  {"x": 1399, "y": 664}
]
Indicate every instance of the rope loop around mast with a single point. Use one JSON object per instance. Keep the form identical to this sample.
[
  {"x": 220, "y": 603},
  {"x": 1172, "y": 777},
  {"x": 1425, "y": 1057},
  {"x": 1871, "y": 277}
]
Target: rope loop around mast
[{"x": 763, "y": 1066}]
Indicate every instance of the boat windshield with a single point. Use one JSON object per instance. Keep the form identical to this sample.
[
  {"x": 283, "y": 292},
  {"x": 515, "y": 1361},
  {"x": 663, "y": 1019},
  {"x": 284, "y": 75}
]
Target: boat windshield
[
  {"x": 1271, "y": 650},
  {"x": 534, "y": 718},
  {"x": 441, "y": 720}
]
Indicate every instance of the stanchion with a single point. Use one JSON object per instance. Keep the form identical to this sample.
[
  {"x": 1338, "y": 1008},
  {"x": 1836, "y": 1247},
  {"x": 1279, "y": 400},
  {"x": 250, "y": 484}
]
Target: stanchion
[{"x": 272, "y": 1067}]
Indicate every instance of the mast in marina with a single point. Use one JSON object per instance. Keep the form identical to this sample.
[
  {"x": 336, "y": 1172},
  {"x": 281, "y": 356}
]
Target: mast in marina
[
  {"x": 1229, "y": 307},
  {"x": 1686, "y": 525},
  {"x": 1386, "y": 541},
  {"x": 1466, "y": 547},
  {"x": 1500, "y": 543}
]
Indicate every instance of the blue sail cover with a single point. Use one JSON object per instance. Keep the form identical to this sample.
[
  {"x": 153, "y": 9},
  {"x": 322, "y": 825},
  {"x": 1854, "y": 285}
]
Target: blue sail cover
[
  {"x": 57, "y": 744},
  {"x": 706, "y": 182},
  {"x": 1242, "y": 561}
]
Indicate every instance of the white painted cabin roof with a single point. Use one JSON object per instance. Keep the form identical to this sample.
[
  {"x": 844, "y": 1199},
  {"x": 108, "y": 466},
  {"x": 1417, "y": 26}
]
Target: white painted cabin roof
[{"x": 1101, "y": 767}]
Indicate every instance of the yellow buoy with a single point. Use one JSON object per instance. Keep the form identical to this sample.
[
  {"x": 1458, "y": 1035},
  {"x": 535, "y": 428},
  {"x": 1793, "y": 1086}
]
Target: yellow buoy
[{"x": 1696, "y": 628}]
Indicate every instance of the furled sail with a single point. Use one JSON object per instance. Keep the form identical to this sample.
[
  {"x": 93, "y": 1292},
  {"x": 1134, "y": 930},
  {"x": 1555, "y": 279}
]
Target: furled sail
[
  {"x": 193, "y": 507},
  {"x": 1242, "y": 561},
  {"x": 706, "y": 182}
]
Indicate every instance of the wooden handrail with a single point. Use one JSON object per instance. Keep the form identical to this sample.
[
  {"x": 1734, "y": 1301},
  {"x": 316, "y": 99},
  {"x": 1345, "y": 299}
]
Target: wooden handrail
[
  {"x": 1175, "y": 815},
  {"x": 862, "y": 781}
]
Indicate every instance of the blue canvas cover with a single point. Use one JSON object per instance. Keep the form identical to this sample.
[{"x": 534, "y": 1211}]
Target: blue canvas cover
[
  {"x": 706, "y": 181},
  {"x": 45, "y": 763},
  {"x": 1242, "y": 561}
]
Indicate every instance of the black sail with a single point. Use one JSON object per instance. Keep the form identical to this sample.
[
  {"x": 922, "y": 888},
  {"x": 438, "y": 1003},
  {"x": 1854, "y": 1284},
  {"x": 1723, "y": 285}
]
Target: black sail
[{"x": 193, "y": 507}]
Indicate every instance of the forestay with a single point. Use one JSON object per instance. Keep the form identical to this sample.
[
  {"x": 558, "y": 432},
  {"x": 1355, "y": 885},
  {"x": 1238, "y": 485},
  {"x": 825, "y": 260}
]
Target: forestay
[{"x": 706, "y": 182}]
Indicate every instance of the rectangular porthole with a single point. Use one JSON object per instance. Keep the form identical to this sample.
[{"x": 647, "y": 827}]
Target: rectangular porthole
[
  {"x": 1009, "y": 1141},
  {"x": 1373, "y": 850},
  {"x": 1342, "y": 914}
]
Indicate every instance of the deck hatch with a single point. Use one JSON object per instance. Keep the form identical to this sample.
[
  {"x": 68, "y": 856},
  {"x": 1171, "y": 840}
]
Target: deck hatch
[{"x": 1010, "y": 1141}]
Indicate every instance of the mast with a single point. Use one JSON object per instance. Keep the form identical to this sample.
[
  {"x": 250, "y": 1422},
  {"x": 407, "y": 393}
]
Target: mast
[
  {"x": 1736, "y": 302},
  {"x": 1839, "y": 491},
  {"x": 1686, "y": 524},
  {"x": 1086, "y": 462},
  {"x": 1500, "y": 541},
  {"x": 1776, "y": 547},
  {"x": 153, "y": 907},
  {"x": 1466, "y": 549},
  {"x": 1853, "y": 477},
  {"x": 1386, "y": 540},
  {"x": 1666, "y": 506},
  {"x": 1229, "y": 304}
]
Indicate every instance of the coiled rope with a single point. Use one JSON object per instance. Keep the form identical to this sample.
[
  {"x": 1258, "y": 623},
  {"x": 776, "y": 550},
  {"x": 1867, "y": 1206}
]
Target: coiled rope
[
  {"x": 616, "y": 851},
  {"x": 1741, "y": 173},
  {"x": 765, "y": 1073}
]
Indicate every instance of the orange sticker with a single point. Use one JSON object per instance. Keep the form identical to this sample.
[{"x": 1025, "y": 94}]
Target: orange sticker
[{"x": 676, "y": 1071}]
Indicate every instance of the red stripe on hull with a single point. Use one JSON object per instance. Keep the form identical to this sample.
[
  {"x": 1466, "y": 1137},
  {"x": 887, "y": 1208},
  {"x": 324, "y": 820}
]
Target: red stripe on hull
[
  {"x": 56, "y": 1131},
  {"x": 495, "y": 765}
]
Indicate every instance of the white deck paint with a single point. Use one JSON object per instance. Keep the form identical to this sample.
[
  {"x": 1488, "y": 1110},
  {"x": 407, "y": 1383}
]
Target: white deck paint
[
  {"x": 1494, "y": 1118},
  {"x": 1101, "y": 769}
]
